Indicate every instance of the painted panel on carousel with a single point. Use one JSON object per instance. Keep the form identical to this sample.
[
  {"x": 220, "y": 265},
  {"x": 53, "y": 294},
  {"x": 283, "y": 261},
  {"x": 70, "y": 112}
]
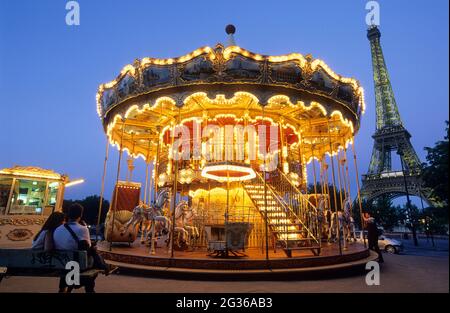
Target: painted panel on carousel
[
  {"x": 108, "y": 98},
  {"x": 322, "y": 81},
  {"x": 345, "y": 92},
  {"x": 241, "y": 68},
  {"x": 156, "y": 75},
  {"x": 126, "y": 86},
  {"x": 199, "y": 68},
  {"x": 288, "y": 72}
]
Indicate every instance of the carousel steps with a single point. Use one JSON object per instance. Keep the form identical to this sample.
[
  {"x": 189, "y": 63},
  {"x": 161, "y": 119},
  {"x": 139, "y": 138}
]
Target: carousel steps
[
  {"x": 282, "y": 225},
  {"x": 278, "y": 219}
]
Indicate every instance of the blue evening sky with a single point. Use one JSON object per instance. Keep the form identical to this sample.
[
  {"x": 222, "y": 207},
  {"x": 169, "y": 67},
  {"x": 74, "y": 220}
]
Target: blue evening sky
[{"x": 49, "y": 72}]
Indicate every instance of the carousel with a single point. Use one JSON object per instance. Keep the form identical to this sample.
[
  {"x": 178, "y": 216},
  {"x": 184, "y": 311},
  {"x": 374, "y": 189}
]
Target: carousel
[{"x": 246, "y": 162}]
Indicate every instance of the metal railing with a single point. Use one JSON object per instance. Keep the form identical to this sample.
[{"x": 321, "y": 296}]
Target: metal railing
[
  {"x": 303, "y": 210},
  {"x": 289, "y": 205}
]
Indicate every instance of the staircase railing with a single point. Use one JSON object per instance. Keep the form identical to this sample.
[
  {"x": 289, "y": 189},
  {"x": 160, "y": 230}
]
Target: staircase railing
[
  {"x": 302, "y": 207},
  {"x": 288, "y": 188},
  {"x": 286, "y": 206}
]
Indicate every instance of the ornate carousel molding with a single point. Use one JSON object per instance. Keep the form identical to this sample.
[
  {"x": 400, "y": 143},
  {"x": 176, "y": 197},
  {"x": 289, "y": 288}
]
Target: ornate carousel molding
[{"x": 226, "y": 71}]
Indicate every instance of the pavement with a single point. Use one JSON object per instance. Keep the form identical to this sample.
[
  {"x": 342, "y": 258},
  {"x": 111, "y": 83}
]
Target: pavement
[
  {"x": 426, "y": 247},
  {"x": 417, "y": 269}
]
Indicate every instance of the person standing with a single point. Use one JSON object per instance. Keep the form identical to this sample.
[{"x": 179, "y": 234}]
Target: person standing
[{"x": 372, "y": 235}]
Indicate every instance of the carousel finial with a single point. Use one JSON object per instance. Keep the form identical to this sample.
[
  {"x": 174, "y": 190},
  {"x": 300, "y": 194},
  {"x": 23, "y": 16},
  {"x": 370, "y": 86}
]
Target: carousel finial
[{"x": 230, "y": 29}]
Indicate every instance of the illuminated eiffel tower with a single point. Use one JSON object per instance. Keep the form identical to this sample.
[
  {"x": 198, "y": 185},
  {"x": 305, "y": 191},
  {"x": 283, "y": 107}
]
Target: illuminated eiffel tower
[{"x": 390, "y": 136}]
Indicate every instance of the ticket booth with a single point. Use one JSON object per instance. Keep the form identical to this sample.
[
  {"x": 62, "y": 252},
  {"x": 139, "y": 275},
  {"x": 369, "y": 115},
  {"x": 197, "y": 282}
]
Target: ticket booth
[{"x": 28, "y": 195}]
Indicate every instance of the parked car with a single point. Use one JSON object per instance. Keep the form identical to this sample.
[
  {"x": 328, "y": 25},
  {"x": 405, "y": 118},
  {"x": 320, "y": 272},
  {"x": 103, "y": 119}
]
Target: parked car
[
  {"x": 385, "y": 243},
  {"x": 93, "y": 233}
]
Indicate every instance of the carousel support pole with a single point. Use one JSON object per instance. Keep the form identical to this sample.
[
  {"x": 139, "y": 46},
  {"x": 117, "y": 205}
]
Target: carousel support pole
[
  {"x": 303, "y": 177},
  {"x": 314, "y": 172},
  {"x": 359, "y": 192},
  {"x": 315, "y": 181},
  {"x": 315, "y": 195},
  {"x": 326, "y": 186},
  {"x": 266, "y": 225},
  {"x": 174, "y": 199},
  {"x": 338, "y": 232},
  {"x": 324, "y": 168},
  {"x": 300, "y": 162},
  {"x": 130, "y": 161},
  {"x": 345, "y": 177},
  {"x": 146, "y": 181},
  {"x": 314, "y": 166},
  {"x": 152, "y": 238},
  {"x": 323, "y": 194},
  {"x": 340, "y": 183},
  {"x": 345, "y": 173},
  {"x": 150, "y": 184},
  {"x": 102, "y": 190},
  {"x": 227, "y": 212},
  {"x": 175, "y": 186},
  {"x": 156, "y": 166},
  {"x": 321, "y": 176},
  {"x": 347, "y": 181},
  {"x": 117, "y": 181},
  {"x": 147, "y": 164}
]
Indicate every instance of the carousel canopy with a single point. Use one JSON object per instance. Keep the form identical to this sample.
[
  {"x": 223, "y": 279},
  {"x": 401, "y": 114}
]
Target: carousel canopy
[{"x": 311, "y": 102}]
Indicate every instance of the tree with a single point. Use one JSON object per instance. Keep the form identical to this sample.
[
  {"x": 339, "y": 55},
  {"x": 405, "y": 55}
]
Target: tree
[
  {"x": 407, "y": 216},
  {"x": 436, "y": 220},
  {"x": 91, "y": 205},
  {"x": 435, "y": 171},
  {"x": 383, "y": 211}
]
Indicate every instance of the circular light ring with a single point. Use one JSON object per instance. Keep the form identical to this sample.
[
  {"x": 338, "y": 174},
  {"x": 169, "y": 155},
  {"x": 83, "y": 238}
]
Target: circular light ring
[{"x": 228, "y": 172}]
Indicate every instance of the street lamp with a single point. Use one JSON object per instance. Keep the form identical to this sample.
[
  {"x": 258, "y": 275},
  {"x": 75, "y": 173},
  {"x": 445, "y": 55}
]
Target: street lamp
[{"x": 408, "y": 202}]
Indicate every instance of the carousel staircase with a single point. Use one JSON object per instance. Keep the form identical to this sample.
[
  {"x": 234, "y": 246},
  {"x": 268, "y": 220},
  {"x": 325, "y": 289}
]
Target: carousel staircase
[{"x": 287, "y": 228}]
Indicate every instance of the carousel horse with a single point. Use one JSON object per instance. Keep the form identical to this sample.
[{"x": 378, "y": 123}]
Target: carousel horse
[
  {"x": 321, "y": 216},
  {"x": 184, "y": 216},
  {"x": 150, "y": 216},
  {"x": 349, "y": 222},
  {"x": 336, "y": 217}
]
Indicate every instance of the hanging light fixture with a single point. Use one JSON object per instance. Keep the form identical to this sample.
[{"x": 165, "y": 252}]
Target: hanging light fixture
[{"x": 228, "y": 171}]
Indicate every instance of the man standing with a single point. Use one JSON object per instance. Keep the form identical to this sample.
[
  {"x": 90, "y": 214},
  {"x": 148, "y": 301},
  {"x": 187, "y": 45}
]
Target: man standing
[{"x": 372, "y": 235}]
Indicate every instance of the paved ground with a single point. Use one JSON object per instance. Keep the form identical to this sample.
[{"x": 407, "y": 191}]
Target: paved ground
[{"x": 422, "y": 269}]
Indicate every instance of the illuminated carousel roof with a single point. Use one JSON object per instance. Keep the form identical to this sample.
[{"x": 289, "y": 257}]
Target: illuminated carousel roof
[{"x": 303, "y": 92}]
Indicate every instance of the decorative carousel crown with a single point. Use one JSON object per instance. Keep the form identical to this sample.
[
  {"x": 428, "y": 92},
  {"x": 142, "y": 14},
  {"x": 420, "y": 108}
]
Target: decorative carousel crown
[{"x": 225, "y": 71}]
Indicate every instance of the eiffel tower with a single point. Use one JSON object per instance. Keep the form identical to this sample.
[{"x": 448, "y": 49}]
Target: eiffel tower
[{"x": 390, "y": 136}]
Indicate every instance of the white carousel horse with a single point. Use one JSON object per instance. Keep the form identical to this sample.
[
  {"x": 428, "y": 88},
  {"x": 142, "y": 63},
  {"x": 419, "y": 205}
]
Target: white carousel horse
[
  {"x": 184, "y": 216},
  {"x": 349, "y": 222},
  {"x": 332, "y": 231},
  {"x": 149, "y": 216}
]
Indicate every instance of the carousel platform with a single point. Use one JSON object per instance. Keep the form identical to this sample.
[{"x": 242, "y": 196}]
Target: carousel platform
[{"x": 137, "y": 258}]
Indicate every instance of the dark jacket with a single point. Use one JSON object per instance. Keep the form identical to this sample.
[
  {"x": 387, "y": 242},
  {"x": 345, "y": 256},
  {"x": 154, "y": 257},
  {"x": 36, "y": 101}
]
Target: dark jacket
[{"x": 372, "y": 232}]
